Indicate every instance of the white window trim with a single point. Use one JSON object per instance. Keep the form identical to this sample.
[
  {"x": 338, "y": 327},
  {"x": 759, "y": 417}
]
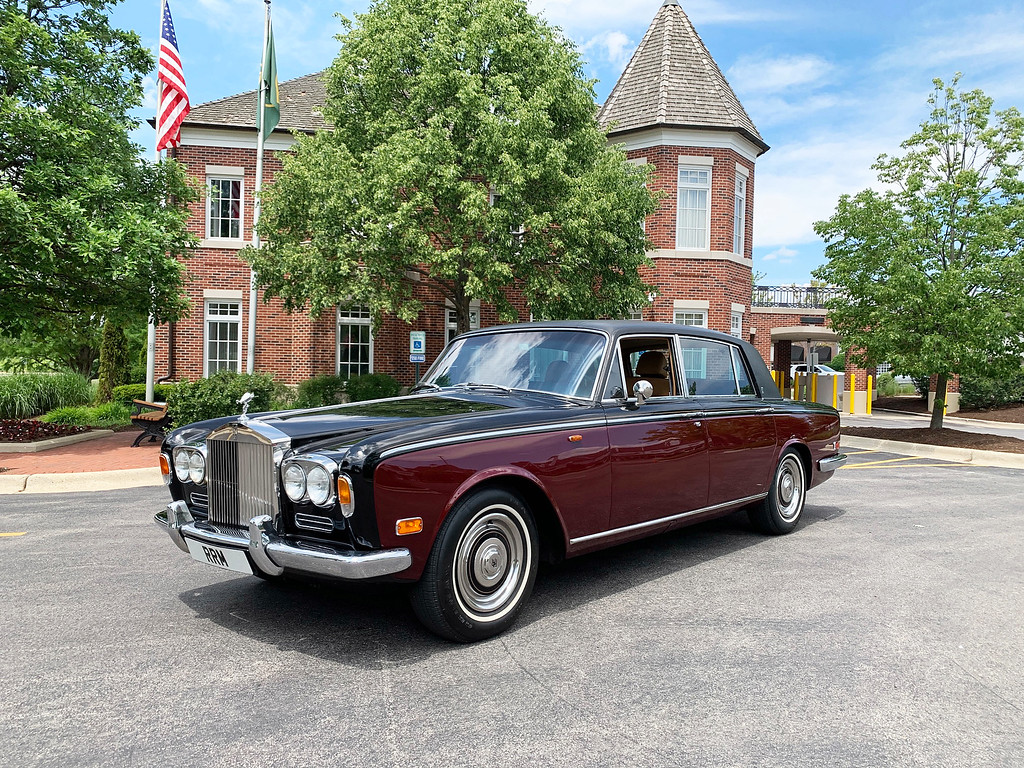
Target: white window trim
[
  {"x": 449, "y": 332},
  {"x": 690, "y": 311},
  {"x": 337, "y": 337},
  {"x": 689, "y": 164},
  {"x": 739, "y": 224},
  {"x": 691, "y": 304},
  {"x": 207, "y": 300},
  {"x": 226, "y": 173},
  {"x": 736, "y": 324}
]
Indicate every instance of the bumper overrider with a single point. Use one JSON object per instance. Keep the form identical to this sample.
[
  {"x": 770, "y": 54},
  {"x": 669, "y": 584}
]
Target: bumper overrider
[
  {"x": 272, "y": 554},
  {"x": 832, "y": 463}
]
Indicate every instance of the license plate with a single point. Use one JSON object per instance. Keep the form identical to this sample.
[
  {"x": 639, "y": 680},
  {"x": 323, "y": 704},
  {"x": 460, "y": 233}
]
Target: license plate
[{"x": 221, "y": 557}]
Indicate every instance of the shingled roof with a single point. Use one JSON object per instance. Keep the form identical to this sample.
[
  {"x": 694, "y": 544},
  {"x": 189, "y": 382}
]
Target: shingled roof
[
  {"x": 301, "y": 103},
  {"x": 673, "y": 82}
]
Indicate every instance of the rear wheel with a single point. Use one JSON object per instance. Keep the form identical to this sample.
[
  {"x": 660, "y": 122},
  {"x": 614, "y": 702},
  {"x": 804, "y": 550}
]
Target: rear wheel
[
  {"x": 779, "y": 512},
  {"x": 481, "y": 570}
]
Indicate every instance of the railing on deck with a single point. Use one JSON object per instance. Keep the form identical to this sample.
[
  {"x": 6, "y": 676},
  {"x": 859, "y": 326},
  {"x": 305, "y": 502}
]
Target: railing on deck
[{"x": 796, "y": 296}]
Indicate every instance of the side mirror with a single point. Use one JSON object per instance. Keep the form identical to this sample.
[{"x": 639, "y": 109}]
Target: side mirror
[{"x": 642, "y": 391}]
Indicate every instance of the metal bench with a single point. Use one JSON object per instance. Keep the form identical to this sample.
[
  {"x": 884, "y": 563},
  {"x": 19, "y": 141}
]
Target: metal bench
[{"x": 151, "y": 418}]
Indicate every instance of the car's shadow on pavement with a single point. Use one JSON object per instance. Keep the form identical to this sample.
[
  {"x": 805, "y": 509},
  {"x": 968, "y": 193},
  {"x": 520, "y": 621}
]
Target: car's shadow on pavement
[{"x": 372, "y": 625}]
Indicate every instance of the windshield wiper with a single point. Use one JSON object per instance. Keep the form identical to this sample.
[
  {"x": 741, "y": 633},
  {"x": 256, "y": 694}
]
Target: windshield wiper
[
  {"x": 425, "y": 385},
  {"x": 475, "y": 385}
]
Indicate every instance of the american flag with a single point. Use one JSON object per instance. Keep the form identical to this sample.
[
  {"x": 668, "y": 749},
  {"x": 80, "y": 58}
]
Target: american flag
[{"x": 172, "y": 98}]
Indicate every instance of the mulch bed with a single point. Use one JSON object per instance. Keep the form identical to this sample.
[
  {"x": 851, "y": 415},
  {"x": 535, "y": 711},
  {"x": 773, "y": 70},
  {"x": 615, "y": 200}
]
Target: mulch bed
[
  {"x": 953, "y": 438},
  {"x": 30, "y": 430},
  {"x": 1013, "y": 414}
]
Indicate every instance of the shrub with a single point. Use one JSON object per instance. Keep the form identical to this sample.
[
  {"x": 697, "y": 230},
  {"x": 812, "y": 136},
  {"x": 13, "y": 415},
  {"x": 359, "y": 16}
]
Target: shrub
[
  {"x": 30, "y": 394},
  {"x": 371, "y": 386},
  {"x": 218, "y": 396},
  {"x": 838, "y": 362},
  {"x": 320, "y": 390},
  {"x": 886, "y": 385},
  {"x": 105, "y": 416},
  {"x": 126, "y": 393},
  {"x": 991, "y": 392}
]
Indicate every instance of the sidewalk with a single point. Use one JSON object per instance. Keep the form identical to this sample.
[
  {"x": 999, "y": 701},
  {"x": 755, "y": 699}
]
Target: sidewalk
[{"x": 106, "y": 463}]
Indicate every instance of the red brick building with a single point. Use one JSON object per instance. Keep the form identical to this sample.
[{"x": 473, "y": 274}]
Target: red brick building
[{"x": 671, "y": 108}]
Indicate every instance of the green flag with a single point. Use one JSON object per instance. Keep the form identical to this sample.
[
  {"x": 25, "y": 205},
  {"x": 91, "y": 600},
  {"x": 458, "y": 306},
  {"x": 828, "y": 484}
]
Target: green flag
[{"x": 271, "y": 105}]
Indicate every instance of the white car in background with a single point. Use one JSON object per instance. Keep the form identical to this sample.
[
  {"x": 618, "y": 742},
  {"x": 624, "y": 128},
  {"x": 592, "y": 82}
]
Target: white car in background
[{"x": 821, "y": 370}]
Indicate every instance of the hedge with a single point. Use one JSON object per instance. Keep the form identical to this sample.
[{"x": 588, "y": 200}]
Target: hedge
[
  {"x": 126, "y": 393},
  {"x": 218, "y": 395}
]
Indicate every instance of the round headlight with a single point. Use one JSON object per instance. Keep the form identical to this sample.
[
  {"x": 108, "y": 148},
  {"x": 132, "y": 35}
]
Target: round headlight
[
  {"x": 318, "y": 486},
  {"x": 294, "y": 482},
  {"x": 181, "y": 465},
  {"x": 197, "y": 468}
]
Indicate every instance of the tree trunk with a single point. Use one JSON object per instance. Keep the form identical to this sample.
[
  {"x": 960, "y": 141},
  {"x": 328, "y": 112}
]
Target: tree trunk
[{"x": 939, "y": 409}]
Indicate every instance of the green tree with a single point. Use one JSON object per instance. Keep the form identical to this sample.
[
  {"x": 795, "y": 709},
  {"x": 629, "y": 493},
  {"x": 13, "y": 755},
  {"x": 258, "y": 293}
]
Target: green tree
[
  {"x": 68, "y": 344},
  {"x": 86, "y": 227},
  {"x": 465, "y": 159},
  {"x": 115, "y": 361},
  {"x": 931, "y": 269}
]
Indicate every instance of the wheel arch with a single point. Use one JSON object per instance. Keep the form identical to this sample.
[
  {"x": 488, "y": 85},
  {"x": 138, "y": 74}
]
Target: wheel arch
[
  {"x": 803, "y": 452},
  {"x": 550, "y": 529}
]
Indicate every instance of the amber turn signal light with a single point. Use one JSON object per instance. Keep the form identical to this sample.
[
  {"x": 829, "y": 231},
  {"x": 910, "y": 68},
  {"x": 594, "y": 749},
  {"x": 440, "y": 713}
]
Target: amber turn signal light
[
  {"x": 165, "y": 468},
  {"x": 409, "y": 525}
]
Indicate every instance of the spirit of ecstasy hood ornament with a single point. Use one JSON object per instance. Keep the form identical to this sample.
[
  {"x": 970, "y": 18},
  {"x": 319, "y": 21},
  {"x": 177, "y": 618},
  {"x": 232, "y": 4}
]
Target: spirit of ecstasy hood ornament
[{"x": 244, "y": 401}]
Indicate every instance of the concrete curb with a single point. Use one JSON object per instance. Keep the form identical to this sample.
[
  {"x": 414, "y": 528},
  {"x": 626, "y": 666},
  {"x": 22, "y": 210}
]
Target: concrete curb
[
  {"x": 54, "y": 442},
  {"x": 962, "y": 455},
  {"x": 72, "y": 482}
]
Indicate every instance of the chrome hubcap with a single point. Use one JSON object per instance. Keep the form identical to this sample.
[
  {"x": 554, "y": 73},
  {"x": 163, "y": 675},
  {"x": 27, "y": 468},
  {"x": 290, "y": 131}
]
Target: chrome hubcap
[
  {"x": 492, "y": 560},
  {"x": 789, "y": 488}
]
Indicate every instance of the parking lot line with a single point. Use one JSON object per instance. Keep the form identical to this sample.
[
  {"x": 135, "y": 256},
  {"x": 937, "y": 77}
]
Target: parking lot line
[
  {"x": 943, "y": 465},
  {"x": 883, "y": 461},
  {"x": 13, "y": 534}
]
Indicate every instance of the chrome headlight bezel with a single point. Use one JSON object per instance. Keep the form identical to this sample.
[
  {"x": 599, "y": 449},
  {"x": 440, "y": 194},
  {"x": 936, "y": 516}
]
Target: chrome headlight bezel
[
  {"x": 294, "y": 486},
  {"x": 319, "y": 467},
  {"x": 190, "y": 464}
]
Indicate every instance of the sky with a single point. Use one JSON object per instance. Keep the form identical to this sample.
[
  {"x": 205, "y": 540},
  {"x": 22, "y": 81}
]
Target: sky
[{"x": 830, "y": 84}]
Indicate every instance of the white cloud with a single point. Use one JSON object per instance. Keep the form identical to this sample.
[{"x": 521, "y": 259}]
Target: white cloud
[
  {"x": 613, "y": 47},
  {"x": 982, "y": 42},
  {"x": 762, "y": 75},
  {"x": 784, "y": 255},
  {"x": 591, "y": 15}
]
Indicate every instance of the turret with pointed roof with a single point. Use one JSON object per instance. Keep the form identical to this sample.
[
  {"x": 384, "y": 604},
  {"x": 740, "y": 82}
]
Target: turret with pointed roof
[{"x": 672, "y": 82}]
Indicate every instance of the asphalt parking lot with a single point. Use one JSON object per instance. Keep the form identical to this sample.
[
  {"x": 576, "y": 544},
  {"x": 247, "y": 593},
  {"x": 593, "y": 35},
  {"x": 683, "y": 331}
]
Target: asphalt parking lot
[{"x": 886, "y": 631}]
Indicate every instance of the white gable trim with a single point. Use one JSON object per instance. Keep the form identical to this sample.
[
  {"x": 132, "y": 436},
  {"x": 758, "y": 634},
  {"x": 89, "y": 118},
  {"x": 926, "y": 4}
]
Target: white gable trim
[
  {"x": 232, "y": 138},
  {"x": 687, "y": 137}
]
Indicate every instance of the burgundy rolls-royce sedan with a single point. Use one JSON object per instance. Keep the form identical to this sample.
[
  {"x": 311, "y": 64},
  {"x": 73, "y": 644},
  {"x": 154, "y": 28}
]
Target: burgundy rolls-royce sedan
[{"x": 521, "y": 443}]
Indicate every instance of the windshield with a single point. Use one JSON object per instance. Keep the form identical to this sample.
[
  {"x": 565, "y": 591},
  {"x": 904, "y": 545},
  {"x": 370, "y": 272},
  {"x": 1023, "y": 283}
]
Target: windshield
[{"x": 559, "y": 362}]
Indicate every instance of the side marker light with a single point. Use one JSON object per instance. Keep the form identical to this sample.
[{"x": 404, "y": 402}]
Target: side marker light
[{"x": 409, "y": 525}]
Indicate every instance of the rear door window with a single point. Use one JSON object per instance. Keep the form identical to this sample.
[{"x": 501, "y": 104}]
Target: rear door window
[{"x": 713, "y": 368}]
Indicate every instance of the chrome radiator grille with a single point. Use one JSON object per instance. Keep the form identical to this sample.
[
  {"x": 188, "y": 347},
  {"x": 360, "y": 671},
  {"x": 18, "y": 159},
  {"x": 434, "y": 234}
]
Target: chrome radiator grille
[{"x": 241, "y": 480}]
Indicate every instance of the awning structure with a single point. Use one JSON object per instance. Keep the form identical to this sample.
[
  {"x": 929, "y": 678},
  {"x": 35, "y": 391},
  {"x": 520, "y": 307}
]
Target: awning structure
[{"x": 809, "y": 333}]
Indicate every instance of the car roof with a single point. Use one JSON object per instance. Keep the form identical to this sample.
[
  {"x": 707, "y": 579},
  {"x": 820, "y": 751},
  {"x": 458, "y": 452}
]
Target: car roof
[{"x": 612, "y": 327}]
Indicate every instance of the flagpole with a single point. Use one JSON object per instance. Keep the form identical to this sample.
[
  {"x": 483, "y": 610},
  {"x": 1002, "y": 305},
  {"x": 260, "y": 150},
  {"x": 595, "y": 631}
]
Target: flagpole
[
  {"x": 253, "y": 297},
  {"x": 151, "y": 325}
]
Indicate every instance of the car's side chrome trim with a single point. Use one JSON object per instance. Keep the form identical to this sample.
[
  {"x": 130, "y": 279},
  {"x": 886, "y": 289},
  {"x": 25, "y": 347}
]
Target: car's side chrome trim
[
  {"x": 662, "y": 416},
  {"x": 537, "y": 429},
  {"x": 664, "y": 520},
  {"x": 832, "y": 463},
  {"x": 474, "y": 436}
]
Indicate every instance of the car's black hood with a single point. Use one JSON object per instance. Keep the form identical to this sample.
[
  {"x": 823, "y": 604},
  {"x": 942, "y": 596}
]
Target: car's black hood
[{"x": 380, "y": 424}]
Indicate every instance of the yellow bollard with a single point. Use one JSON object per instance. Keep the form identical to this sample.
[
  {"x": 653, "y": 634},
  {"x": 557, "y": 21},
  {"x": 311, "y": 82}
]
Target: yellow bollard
[
  {"x": 869, "y": 395},
  {"x": 835, "y": 392},
  {"x": 796, "y": 386},
  {"x": 853, "y": 390},
  {"x": 814, "y": 387}
]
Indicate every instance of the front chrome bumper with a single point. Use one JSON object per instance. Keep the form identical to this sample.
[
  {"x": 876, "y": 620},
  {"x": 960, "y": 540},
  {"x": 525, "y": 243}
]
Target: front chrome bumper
[
  {"x": 832, "y": 463},
  {"x": 273, "y": 554}
]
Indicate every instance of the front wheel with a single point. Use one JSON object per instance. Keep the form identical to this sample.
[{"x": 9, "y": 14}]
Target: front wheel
[
  {"x": 779, "y": 512},
  {"x": 481, "y": 570}
]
